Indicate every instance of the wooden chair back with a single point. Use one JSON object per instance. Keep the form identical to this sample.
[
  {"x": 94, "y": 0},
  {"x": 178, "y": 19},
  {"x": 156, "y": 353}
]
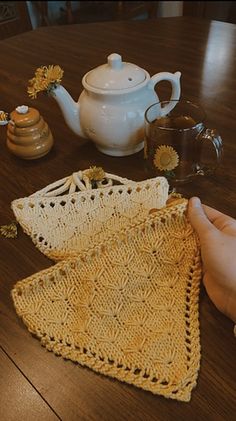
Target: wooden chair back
[{"x": 14, "y": 18}]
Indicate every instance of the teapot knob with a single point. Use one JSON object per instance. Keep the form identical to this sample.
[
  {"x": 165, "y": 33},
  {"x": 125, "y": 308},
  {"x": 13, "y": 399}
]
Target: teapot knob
[{"x": 115, "y": 61}]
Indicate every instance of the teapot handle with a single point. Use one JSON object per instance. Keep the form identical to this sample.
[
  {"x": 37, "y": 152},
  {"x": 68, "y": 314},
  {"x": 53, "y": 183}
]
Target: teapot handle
[{"x": 174, "y": 79}]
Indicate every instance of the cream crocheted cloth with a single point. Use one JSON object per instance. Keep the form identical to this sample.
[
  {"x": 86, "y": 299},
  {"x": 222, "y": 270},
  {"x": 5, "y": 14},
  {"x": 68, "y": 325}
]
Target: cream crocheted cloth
[
  {"x": 126, "y": 307},
  {"x": 68, "y": 215}
]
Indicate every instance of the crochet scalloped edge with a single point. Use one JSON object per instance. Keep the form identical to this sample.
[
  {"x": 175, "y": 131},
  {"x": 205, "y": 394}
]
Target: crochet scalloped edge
[{"x": 57, "y": 255}]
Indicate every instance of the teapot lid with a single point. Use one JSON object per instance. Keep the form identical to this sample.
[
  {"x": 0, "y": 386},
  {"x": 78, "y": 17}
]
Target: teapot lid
[{"x": 115, "y": 75}]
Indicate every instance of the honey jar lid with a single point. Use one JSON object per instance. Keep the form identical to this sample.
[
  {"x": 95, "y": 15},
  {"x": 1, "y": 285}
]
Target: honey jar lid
[{"x": 24, "y": 116}]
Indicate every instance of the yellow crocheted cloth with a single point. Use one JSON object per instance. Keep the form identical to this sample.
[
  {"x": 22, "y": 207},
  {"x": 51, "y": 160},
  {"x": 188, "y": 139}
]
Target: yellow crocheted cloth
[
  {"x": 127, "y": 307},
  {"x": 63, "y": 221}
]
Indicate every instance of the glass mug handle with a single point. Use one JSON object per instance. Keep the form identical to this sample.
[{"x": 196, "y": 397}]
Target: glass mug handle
[{"x": 212, "y": 136}]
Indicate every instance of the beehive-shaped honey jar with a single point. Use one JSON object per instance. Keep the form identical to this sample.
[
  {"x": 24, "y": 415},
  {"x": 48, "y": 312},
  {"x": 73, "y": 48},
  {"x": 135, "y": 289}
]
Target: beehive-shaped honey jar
[{"x": 28, "y": 135}]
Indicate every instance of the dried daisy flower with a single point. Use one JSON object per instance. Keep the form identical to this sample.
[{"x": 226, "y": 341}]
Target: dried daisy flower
[
  {"x": 32, "y": 92},
  {"x": 45, "y": 79},
  {"x": 8, "y": 231},
  {"x": 165, "y": 158},
  {"x": 95, "y": 173},
  {"x": 54, "y": 74}
]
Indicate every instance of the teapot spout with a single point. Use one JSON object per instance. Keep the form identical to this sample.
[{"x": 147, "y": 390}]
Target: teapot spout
[{"x": 70, "y": 109}]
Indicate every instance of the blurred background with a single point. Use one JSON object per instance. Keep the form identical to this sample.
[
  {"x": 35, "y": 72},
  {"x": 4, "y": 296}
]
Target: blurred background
[{"x": 21, "y": 16}]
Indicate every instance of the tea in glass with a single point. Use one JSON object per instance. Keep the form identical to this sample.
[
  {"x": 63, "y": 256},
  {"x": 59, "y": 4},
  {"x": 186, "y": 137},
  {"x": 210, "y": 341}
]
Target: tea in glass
[{"x": 173, "y": 142}]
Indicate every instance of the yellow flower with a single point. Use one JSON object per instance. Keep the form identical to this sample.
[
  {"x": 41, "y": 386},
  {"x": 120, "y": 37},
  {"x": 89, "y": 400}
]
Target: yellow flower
[
  {"x": 165, "y": 158},
  {"x": 8, "y": 231},
  {"x": 45, "y": 79},
  {"x": 54, "y": 74},
  {"x": 40, "y": 72},
  {"x": 95, "y": 173},
  {"x": 31, "y": 92}
]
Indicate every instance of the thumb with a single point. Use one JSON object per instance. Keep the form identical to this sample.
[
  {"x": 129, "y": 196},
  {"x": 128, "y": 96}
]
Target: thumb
[{"x": 198, "y": 218}]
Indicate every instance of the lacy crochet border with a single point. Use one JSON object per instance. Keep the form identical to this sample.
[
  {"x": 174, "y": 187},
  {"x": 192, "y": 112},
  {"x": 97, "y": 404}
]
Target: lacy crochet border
[
  {"x": 135, "y": 375},
  {"x": 62, "y": 225}
]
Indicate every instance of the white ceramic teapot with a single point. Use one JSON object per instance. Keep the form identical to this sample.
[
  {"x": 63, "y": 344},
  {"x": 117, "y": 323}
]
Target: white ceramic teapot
[{"x": 110, "y": 110}]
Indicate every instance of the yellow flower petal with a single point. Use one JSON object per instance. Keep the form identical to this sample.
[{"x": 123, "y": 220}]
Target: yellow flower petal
[
  {"x": 44, "y": 79},
  {"x": 8, "y": 231},
  {"x": 54, "y": 74},
  {"x": 95, "y": 173},
  {"x": 31, "y": 92},
  {"x": 39, "y": 72}
]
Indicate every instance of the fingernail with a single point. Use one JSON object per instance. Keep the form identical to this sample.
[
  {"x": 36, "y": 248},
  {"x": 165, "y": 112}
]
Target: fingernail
[{"x": 196, "y": 202}]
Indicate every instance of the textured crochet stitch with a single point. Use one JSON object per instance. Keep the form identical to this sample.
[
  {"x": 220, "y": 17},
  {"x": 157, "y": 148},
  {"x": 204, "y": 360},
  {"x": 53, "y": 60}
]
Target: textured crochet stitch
[
  {"x": 68, "y": 215},
  {"x": 126, "y": 307}
]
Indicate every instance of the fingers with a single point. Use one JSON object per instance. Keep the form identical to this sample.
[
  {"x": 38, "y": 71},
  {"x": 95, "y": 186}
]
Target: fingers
[
  {"x": 221, "y": 221},
  {"x": 198, "y": 218}
]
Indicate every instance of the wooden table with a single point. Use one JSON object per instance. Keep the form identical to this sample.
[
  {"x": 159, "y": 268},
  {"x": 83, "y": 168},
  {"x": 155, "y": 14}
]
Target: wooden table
[{"x": 35, "y": 384}]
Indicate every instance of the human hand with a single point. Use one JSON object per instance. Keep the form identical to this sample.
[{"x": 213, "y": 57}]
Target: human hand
[{"x": 217, "y": 235}]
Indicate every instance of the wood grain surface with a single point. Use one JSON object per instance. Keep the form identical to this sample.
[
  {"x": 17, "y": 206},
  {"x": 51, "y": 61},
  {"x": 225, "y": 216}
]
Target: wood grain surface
[{"x": 204, "y": 52}]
